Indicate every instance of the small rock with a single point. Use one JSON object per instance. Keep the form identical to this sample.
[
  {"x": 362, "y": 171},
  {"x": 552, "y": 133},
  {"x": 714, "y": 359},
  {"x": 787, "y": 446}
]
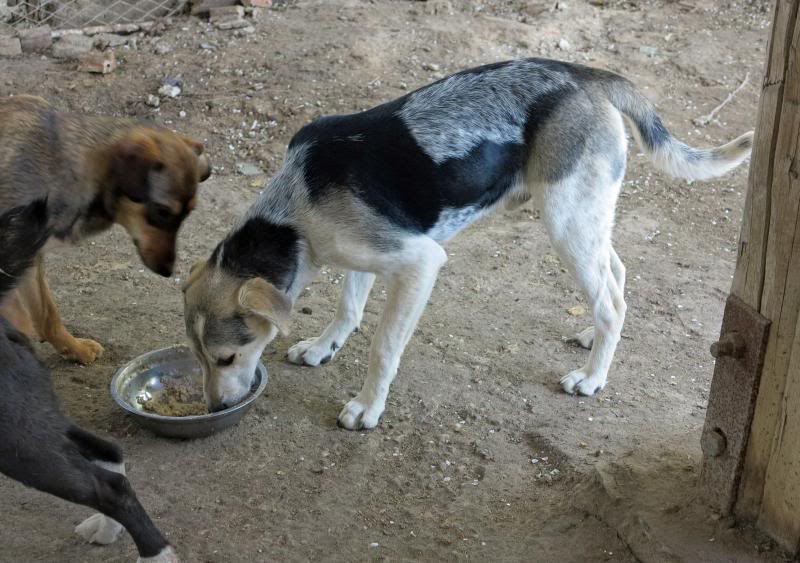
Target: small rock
[
  {"x": 306, "y": 310},
  {"x": 249, "y": 30},
  {"x": 10, "y": 46},
  {"x": 153, "y": 101},
  {"x": 536, "y": 8},
  {"x": 433, "y": 67},
  {"x": 72, "y": 46},
  {"x": 233, "y": 24},
  {"x": 97, "y": 29},
  {"x": 247, "y": 169},
  {"x": 257, "y": 3},
  {"x": 106, "y": 40},
  {"x": 649, "y": 51},
  {"x": 36, "y": 39},
  {"x": 564, "y": 45},
  {"x": 170, "y": 91},
  {"x": 162, "y": 48},
  {"x": 577, "y": 311},
  {"x": 125, "y": 28},
  {"x": 208, "y": 46}
]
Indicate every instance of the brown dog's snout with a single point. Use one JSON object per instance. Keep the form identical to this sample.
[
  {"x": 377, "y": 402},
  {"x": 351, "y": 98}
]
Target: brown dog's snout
[{"x": 158, "y": 254}]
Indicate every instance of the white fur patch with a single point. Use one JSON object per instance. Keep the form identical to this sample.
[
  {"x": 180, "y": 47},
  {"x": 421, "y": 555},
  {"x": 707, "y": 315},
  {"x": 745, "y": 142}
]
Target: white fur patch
[{"x": 167, "y": 555}]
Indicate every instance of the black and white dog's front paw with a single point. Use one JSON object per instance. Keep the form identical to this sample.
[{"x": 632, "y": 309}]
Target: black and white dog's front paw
[
  {"x": 167, "y": 555},
  {"x": 100, "y": 529},
  {"x": 361, "y": 413},
  {"x": 312, "y": 352}
]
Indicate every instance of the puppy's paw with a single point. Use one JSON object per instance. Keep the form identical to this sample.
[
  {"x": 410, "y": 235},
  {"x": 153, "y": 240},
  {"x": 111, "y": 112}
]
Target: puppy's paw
[
  {"x": 581, "y": 383},
  {"x": 85, "y": 351},
  {"x": 167, "y": 555},
  {"x": 100, "y": 529},
  {"x": 312, "y": 352},
  {"x": 584, "y": 338},
  {"x": 359, "y": 414}
]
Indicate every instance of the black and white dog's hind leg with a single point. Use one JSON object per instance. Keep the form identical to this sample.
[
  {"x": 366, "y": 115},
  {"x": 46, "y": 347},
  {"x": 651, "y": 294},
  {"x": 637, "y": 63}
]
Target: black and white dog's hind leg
[{"x": 321, "y": 350}]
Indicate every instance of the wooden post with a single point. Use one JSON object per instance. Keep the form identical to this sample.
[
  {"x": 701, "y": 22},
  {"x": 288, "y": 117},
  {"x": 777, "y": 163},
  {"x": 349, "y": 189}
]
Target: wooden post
[{"x": 767, "y": 278}]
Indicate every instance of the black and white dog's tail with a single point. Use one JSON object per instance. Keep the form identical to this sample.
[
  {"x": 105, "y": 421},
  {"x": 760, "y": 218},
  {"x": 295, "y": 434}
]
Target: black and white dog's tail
[
  {"x": 23, "y": 232},
  {"x": 666, "y": 152}
]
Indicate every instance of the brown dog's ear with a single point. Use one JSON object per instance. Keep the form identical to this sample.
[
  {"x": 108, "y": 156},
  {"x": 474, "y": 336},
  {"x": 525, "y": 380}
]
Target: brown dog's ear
[
  {"x": 196, "y": 146},
  {"x": 132, "y": 161},
  {"x": 194, "y": 273},
  {"x": 203, "y": 162},
  {"x": 259, "y": 297}
]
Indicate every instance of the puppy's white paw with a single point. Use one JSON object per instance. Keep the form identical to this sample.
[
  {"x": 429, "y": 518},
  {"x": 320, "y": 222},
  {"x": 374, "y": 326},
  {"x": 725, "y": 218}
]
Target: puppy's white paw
[
  {"x": 312, "y": 352},
  {"x": 584, "y": 338},
  {"x": 582, "y": 384},
  {"x": 167, "y": 555},
  {"x": 99, "y": 528},
  {"x": 359, "y": 414}
]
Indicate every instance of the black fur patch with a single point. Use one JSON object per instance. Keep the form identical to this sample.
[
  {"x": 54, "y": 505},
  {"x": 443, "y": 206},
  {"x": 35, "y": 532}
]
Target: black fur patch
[
  {"x": 23, "y": 232},
  {"x": 260, "y": 249},
  {"x": 374, "y": 155}
]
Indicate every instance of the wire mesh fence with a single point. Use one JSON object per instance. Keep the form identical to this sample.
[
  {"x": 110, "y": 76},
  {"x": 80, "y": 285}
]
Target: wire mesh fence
[{"x": 67, "y": 14}]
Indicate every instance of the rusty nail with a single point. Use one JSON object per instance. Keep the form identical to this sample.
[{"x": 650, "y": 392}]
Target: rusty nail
[
  {"x": 730, "y": 344},
  {"x": 713, "y": 443}
]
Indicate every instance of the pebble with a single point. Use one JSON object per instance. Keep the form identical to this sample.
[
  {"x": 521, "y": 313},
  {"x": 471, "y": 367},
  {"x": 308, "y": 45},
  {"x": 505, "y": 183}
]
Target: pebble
[
  {"x": 170, "y": 91},
  {"x": 153, "y": 101},
  {"x": 247, "y": 169},
  {"x": 564, "y": 45},
  {"x": 162, "y": 49},
  {"x": 577, "y": 311},
  {"x": 433, "y": 67}
]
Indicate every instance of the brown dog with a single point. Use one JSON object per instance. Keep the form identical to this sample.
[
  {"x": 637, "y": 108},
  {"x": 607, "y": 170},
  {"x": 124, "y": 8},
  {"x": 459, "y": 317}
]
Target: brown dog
[{"x": 93, "y": 172}]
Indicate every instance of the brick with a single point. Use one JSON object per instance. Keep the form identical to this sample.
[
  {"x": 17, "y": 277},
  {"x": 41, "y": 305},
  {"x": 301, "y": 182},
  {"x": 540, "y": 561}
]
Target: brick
[
  {"x": 10, "y": 46},
  {"x": 36, "y": 39},
  {"x": 98, "y": 63}
]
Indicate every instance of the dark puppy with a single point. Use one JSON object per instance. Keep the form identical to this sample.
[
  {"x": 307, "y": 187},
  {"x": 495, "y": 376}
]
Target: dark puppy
[
  {"x": 93, "y": 172},
  {"x": 39, "y": 447}
]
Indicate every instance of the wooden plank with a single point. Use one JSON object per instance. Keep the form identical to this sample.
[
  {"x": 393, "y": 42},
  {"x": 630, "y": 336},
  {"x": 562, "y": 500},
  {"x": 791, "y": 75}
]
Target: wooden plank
[
  {"x": 748, "y": 278},
  {"x": 780, "y": 508},
  {"x": 766, "y": 255}
]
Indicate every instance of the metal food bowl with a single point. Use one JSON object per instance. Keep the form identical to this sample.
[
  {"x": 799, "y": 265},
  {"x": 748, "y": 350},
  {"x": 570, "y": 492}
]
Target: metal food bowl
[{"x": 145, "y": 377}]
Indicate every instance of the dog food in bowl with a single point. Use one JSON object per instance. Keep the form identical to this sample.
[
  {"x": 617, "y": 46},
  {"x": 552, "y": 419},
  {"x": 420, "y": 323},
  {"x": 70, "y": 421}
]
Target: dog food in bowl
[{"x": 178, "y": 397}]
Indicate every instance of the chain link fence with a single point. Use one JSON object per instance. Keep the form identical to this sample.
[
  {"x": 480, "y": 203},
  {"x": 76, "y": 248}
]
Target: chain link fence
[{"x": 69, "y": 14}]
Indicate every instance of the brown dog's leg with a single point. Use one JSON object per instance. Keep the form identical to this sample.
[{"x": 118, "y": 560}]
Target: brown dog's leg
[
  {"x": 38, "y": 300},
  {"x": 15, "y": 312}
]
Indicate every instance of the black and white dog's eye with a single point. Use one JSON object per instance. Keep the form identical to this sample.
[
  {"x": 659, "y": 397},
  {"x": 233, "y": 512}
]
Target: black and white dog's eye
[{"x": 222, "y": 362}]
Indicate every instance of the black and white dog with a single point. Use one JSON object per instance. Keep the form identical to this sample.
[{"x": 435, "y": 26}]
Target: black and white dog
[
  {"x": 377, "y": 193},
  {"x": 39, "y": 447}
]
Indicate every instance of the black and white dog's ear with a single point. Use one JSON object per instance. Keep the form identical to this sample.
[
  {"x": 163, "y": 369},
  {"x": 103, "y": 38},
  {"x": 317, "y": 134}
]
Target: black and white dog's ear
[
  {"x": 259, "y": 297},
  {"x": 194, "y": 273}
]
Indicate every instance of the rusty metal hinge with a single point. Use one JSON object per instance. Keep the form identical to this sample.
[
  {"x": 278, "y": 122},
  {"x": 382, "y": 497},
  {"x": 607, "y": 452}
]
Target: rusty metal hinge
[{"x": 740, "y": 357}]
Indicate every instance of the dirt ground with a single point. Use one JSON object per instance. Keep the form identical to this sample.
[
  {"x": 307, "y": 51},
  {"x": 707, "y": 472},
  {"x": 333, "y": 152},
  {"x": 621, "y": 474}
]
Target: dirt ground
[{"x": 480, "y": 456}]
